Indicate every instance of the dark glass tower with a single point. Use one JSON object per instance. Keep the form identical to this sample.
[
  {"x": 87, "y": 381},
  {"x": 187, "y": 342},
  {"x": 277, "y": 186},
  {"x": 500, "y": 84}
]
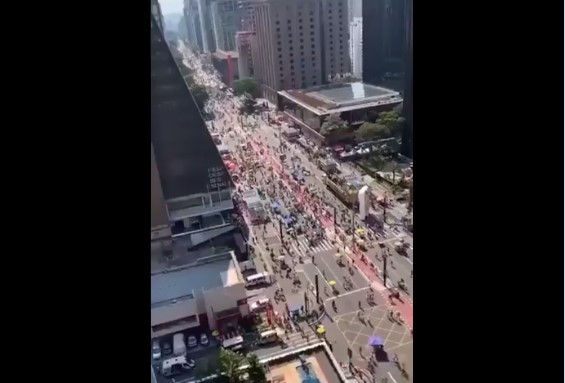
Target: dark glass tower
[
  {"x": 383, "y": 39},
  {"x": 187, "y": 159},
  {"x": 407, "y": 110}
]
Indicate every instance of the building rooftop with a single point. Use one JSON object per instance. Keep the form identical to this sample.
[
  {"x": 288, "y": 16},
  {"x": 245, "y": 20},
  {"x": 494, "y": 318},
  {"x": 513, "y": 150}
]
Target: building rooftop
[
  {"x": 337, "y": 98},
  {"x": 184, "y": 282}
]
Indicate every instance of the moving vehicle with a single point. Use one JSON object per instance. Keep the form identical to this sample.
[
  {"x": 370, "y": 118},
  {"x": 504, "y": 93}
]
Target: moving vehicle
[
  {"x": 177, "y": 365},
  {"x": 156, "y": 350},
  {"x": 257, "y": 279},
  {"x": 268, "y": 337},
  {"x": 179, "y": 347},
  {"x": 192, "y": 342}
]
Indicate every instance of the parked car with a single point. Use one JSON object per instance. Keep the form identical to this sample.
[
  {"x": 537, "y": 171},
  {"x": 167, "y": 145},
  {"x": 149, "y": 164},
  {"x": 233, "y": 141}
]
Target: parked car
[
  {"x": 156, "y": 350},
  {"x": 192, "y": 342},
  {"x": 204, "y": 340}
]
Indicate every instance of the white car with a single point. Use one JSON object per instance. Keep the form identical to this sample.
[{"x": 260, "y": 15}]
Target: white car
[
  {"x": 192, "y": 341},
  {"x": 204, "y": 340},
  {"x": 156, "y": 350}
]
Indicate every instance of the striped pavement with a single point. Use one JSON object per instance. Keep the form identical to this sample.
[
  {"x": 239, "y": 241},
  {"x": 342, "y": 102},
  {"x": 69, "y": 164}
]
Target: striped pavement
[
  {"x": 294, "y": 341},
  {"x": 301, "y": 247}
]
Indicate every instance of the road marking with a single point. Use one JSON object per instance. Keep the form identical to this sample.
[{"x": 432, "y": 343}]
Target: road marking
[
  {"x": 409, "y": 260},
  {"x": 389, "y": 374},
  {"x": 348, "y": 293}
]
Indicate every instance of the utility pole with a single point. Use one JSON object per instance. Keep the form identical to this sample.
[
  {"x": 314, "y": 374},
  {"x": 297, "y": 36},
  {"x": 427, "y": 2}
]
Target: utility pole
[
  {"x": 317, "y": 289},
  {"x": 385, "y": 256}
]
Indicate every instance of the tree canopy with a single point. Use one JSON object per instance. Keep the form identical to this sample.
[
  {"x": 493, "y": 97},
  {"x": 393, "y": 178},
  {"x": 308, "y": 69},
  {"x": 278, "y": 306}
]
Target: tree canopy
[
  {"x": 392, "y": 120},
  {"x": 249, "y": 106},
  {"x": 383, "y": 125},
  {"x": 230, "y": 365},
  {"x": 200, "y": 95},
  {"x": 333, "y": 124},
  {"x": 246, "y": 86},
  {"x": 256, "y": 371},
  {"x": 371, "y": 131}
]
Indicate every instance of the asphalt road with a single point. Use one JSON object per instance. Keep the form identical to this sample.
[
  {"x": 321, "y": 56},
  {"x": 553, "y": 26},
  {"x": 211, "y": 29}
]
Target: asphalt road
[{"x": 343, "y": 332}]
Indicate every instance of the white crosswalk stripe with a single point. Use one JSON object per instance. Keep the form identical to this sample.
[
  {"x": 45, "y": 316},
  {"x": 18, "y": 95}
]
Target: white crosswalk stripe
[{"x": 301, "y": 247}]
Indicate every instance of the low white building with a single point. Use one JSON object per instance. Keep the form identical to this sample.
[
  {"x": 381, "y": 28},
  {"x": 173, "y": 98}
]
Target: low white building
[
  {"x": 356, "y": 46},
  {"x": 209, "y": 294}
]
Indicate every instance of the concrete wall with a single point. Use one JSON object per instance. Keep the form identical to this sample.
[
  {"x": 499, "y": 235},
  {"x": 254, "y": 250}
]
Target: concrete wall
[{"x": 222, "y": 299}]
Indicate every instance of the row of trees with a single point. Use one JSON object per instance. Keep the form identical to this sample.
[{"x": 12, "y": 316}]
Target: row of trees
[
  {"x": 199, "y": 92},
  {"x": 229, "y": 369},
  {"x": 376, "y": 126},
  {"x": 246, "y": 86}
]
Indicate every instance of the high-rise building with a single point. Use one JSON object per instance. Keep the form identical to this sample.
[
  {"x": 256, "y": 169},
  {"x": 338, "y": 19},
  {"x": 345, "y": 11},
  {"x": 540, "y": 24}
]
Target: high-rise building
[
  {"x": 157, "y": 14},
  {"x": 192, "y": 19},
  {"x": 354, "y": 8},
  {"x": 206, "y": 28},
  {"x": 408, "y": 107},
  {"x": 383, "y": 37},
  {"x": 187, "y": 172},
  {"x": 356, "y": 47},
  {"x": 299, "y": 43},
  {"x": 227, "y": 16}
]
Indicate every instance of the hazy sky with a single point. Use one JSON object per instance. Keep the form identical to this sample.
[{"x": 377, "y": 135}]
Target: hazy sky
[{"x": 171, "y": 6}]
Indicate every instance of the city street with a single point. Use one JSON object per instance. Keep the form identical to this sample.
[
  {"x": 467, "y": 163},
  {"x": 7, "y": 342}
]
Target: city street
[{"x": 345, "y": 279}]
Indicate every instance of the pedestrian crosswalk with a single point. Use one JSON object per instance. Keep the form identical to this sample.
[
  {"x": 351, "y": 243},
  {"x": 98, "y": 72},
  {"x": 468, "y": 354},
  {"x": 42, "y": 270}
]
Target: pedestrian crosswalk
[
  {"x": 294, "y": 341},
  {"x": 301, "y": 247}
]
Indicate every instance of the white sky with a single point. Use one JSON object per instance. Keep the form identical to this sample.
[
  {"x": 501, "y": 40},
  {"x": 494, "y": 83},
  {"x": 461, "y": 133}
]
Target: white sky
[{"x": 171, "y": 6}]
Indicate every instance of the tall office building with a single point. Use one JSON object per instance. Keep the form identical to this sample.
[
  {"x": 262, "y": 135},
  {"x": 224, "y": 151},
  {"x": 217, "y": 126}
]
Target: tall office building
[
  {"x": 354, "y": 8},
  {"x": 356, "y": 47},
  {"x": 206, "y": 27},
  {"x": 299, "y": 43},
  {"x": 408, "y": 107},
  {"x": 383, "y": 37},
  {"x": 192, "y": 17},
  {"x": 227, "y": 16},
  {"x": 157, "y": 14},
  {"x": 189, "y": 179}
]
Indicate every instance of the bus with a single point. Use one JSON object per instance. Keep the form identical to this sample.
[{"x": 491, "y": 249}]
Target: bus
[{"x": 233, "y": 344}]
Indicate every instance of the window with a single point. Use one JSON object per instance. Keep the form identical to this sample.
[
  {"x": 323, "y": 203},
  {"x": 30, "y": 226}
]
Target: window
[
  {"x": 280, "y": 56},
  {"x": 314, "y": 82},
  {"x": 300, "y": 27},
  {"x": 290, "y": 35},
  {"x": 288, "y": 21},
  {"x": 291, "y": 61},
  {"x": 299, "y": 20},
  {"x": 280, "y": 49},
  {"x": 311, "y": 26},
  {"x": 311, "y": 19},
  {"x": 280, "y": 62},
  {"x": 278, "y": 22},
  {"x": 312, "y": 33},
  {"x": 301, "y": 47},
  {"x": 301, "y": 40},
  {"x": 278, "y": 29},
  {"x": 281, "y": 68}
]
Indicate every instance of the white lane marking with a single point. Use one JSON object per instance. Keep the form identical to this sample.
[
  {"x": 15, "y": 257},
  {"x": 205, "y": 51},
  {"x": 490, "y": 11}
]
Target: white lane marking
[
  {"x": 389, "y": 374},
  {"x": 409, "y": 261},
  {"x": 348, "y": 293}
]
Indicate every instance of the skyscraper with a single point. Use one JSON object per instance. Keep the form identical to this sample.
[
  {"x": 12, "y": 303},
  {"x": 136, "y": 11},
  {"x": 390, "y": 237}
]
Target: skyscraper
[
  {"x": 407, "y": 110},
  {"x": 356, "y": 46},
  {"x": 299, "y": 43},
  {"x": 186, "y": 165},
  {"x": 383, "y": 39},
  {"x": 226, "y": 20},
  {"x": 206, "y": 28}
]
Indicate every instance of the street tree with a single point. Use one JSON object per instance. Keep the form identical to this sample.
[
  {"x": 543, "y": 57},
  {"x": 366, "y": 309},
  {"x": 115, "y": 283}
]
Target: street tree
[
  {"x": 200, "y": 95},
  {"x": 368, "y": 132},
  {"x": 249, "y": 106},
  {"x": 246, "y": 86},
  {"x": 256, "y": 371},
  {"x": 333, "y": 124},
  {"x": 392, "y": 120},
  {"x": 230, "y": 365}
]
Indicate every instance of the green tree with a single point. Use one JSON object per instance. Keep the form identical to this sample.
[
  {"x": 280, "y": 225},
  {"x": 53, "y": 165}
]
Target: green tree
[
  {"x": 230, "y": 365},
  {"x": 393, "y": 121},
  {"x": 256, "y": 370},
  {"x": 246, "y": 86},
  {"x": 249, "y": 106},
  {"x": 333, "y": 124},
  {"x": 200, "y": 95},
  {"x": 369, "y": 132}
]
